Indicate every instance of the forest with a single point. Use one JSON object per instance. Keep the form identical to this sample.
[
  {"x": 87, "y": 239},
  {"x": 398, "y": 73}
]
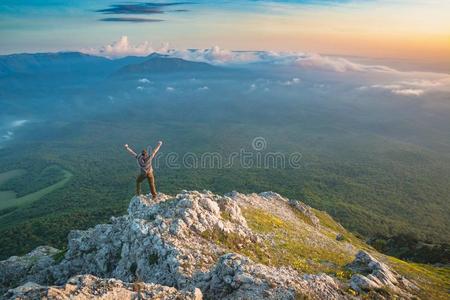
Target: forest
[{"x": 377, "y": 162}]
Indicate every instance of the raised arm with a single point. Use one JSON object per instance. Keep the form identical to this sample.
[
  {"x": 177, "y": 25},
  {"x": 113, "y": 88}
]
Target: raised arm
[
  {"x": 156, "y": 149},
  {"x": 130, "y": 150}
]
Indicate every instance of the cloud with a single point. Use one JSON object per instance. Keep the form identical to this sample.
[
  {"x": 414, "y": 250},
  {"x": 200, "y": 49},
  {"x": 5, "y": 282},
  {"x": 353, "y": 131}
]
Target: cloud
[
  {"x": 170, "y": 89},
  {"x": 10, "y": 128},
  {"x": 18, "y": 123},
  {"x": 423, "y": 83},
  {"x": 218, "y": 56},
  {"x": 386, "y": 86},
  {"x": 413, "y": 87},
  {"x": 131, "y": 20},
  {"x": 149, "y": 8},
  {"x": 8, "y": 135},
  {"x": 215, "y": 55},
  {"x": 336, "y": 64},
  {"x": 203, "y": 88},
  {"x": 408, "y": 92},
  {"x": 293, "y": 81},
  {"x": 141, "y": 8},
  {"x": 122, "y": 48},
  {"x": 144, "y": 80},
  {"x": 129, "y": 9},
  {"x": 397, "y": 89}
]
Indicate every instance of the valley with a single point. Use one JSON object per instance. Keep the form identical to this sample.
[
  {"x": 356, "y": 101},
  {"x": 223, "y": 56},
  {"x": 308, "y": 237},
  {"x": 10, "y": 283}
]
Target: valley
[{"x": 375, "y": 161}]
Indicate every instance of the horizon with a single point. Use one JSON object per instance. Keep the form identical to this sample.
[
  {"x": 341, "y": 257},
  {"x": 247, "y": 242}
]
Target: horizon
[{"x": 122, "y": 48}]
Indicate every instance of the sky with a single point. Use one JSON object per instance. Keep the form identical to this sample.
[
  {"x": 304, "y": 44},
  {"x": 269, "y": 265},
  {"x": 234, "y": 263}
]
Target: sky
[{"x": 416, "y": 30}]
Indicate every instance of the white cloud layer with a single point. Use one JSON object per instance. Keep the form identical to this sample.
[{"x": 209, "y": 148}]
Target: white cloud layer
[
  {"x": 18, "y": 123},
  {"x": 409, "y": 92},
  {"x": 217, "y": 56},
  {"x": 402, "y": 83},
  {"x": 122, "y": 48},
  {"x": 414, "y": 87},
  {"x": 336, "y": 64},
  {"x": 144, "y": 80}
]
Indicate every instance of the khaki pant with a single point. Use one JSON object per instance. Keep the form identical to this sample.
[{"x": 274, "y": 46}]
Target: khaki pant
[{"x": 151, "y": 182}]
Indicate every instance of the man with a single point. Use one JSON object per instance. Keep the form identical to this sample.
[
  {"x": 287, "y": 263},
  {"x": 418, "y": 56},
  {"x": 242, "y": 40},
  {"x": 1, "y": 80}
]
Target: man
[{"x": 145, "y": 166}]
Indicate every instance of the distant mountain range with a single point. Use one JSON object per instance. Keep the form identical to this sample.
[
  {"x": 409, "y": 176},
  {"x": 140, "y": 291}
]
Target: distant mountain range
[{"x": 76, "y": 63}]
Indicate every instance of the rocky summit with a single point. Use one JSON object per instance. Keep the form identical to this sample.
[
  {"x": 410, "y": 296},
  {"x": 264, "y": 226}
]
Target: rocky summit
[{"x": 199, "y": 245}]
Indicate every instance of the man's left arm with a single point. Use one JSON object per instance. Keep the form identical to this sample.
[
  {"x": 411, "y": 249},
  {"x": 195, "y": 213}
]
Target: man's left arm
[{"x": 156, "y": 149}]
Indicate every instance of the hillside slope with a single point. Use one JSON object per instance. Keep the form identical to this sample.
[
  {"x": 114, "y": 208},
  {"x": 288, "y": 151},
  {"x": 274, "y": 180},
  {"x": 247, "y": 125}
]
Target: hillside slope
[{"x": 201, "y": 245}]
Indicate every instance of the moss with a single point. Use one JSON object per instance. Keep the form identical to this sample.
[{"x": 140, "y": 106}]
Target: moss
[
  {"x": 344, "y": 275},
  {"x": 58, "y": 257},
  {"x": 153, "y": 259},
  {"x": 133, "y": 268},
  {"x": 352, "y": 292}
]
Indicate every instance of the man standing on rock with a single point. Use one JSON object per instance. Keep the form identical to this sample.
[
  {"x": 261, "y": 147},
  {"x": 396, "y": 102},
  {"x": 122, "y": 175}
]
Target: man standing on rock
[{"x": 145, "y": 166}]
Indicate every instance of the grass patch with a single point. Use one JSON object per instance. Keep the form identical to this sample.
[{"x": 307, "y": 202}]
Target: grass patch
[
  {"x": 6, "y": 195},
  {"x": 226, "y": 216},
  {"x": 433, "y": 281},
  {"x": 331, "y": 228},
  {"x": 302, "y": 216},
  {"x": 6, "y": 176},
  {"x": 327, "y": 221},
  {"x": 289, "y": 246},
  {"x": 236, "y": 243}
]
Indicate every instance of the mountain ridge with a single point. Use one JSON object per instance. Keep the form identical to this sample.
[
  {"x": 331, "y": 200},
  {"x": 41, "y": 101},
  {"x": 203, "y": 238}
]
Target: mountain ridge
[
  {"x": 70, "y": 62},
  {"x": 202, "y": 245},
  {"x": 158, "y": 64}
]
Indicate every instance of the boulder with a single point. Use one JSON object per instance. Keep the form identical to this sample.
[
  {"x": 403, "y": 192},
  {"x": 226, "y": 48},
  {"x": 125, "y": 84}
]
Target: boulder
[{"x": 371, "y": 274}]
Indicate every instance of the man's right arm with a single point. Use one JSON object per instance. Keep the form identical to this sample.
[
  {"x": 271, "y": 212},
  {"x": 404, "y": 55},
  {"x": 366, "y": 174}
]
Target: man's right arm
[{"x": 130, "y": 150}]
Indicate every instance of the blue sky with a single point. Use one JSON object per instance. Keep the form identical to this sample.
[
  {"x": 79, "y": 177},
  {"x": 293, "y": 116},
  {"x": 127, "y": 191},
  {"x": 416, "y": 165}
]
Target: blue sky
[{"x": 415, "y": 29}]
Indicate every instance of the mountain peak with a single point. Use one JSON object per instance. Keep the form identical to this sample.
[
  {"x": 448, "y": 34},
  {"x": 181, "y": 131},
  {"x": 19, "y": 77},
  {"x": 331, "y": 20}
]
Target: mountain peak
[{"x": 200, "y": 244}]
